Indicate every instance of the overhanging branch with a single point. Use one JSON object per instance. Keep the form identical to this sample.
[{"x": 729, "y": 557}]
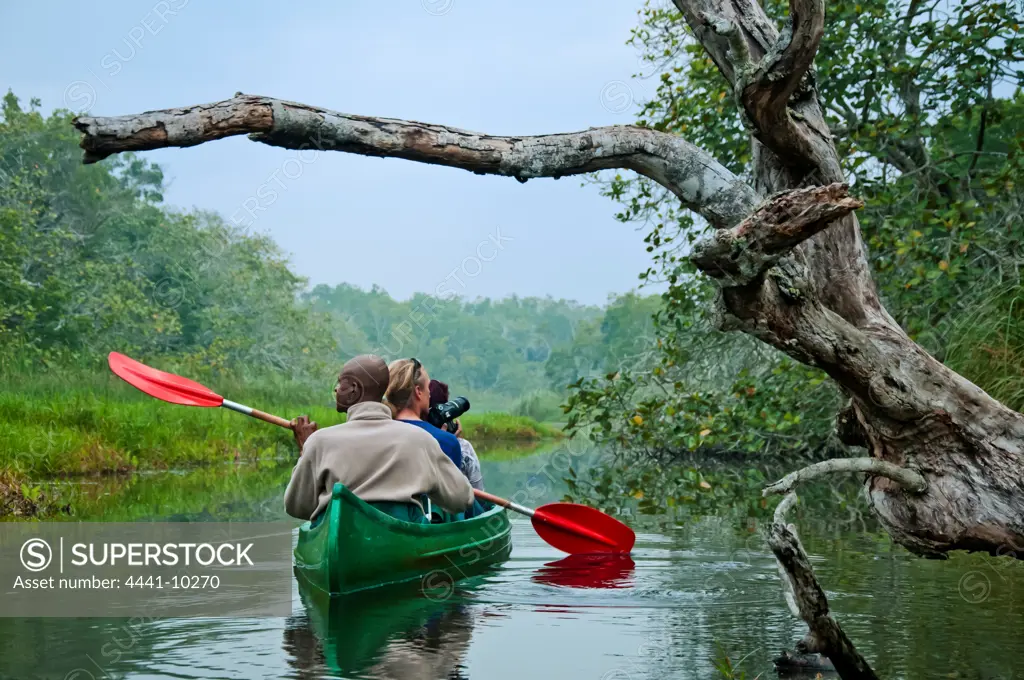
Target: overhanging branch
[
  {"x": 910, "y": 480},
  {"x": 701, "y": 183}
]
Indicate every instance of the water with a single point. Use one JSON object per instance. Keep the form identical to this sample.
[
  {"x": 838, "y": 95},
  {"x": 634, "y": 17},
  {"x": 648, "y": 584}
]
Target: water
[{"x": 694, "y": 589}]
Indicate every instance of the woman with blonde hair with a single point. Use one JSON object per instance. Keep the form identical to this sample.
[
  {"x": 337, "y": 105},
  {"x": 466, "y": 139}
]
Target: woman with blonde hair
[{"x": 408, "y": 396}]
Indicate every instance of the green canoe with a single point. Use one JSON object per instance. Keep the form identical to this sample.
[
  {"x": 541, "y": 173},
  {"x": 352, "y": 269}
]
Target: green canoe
[{"x": 357, "y": 547}]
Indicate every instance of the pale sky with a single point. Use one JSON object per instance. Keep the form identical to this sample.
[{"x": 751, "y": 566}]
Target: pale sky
[{"x": 504, "y": 68}]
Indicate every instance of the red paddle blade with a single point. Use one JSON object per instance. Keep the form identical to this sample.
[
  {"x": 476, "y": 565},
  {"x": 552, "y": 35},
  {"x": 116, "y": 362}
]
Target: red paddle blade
[
  {"x": 578, "y": 529},
  {"x": 165, "y": 386}
]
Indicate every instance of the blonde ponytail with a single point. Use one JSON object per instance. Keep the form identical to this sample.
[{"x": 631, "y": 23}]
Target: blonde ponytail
[{"x": 401, "y": 385}]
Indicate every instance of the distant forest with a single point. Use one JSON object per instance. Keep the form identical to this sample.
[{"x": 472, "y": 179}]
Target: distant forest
[
  {"x": 499, "y": 347},
  {"x": 92, "y": 260}
]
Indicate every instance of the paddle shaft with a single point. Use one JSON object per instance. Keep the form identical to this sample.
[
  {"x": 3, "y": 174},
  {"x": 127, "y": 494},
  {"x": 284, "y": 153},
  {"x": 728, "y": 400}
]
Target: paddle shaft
[
  {"x": 256, "y": 413},
  {"x": 497, "y": 500},
  {"x": 548, "y": 518}
]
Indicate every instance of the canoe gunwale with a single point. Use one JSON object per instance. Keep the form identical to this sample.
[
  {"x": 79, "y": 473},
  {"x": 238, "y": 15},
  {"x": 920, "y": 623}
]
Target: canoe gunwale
[{"x": 341, "y": 492}]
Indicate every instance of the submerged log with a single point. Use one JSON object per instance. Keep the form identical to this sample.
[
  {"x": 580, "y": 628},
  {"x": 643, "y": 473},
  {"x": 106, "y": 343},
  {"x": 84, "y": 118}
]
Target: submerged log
[{"x": 807, "y": 600}]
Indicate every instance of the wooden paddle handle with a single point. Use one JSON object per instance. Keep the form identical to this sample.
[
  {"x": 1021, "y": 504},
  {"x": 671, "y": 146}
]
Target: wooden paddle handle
[
  {"x": 256, "y": 413},
  {"x": 272, "y": 419}
]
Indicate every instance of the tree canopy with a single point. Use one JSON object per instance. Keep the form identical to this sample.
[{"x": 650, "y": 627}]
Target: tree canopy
[{"x": 925, "y": 106}]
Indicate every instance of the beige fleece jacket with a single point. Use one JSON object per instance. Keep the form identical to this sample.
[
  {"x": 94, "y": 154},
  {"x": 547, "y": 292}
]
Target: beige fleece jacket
[{"x": 378, "y": 459}]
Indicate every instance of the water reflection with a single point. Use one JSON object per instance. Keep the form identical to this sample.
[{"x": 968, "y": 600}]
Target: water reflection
[
  {"x": 703, "y": 582},
  {"x": 386, "y": 633},
  {"x": 588, "y": 571}
]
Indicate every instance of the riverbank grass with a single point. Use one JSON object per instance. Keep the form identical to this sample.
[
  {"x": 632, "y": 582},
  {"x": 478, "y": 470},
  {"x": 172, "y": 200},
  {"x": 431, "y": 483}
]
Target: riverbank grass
[
  {"x": 504, "y": 426},
  {"x": 88, "y": 423}
]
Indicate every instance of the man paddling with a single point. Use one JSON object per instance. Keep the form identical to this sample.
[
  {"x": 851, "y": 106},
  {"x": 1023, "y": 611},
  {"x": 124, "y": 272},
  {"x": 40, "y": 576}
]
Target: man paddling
[{"x": 385, "y": 463}]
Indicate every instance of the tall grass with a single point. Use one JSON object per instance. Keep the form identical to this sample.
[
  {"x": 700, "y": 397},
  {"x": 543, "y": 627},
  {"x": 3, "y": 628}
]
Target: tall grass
[
  {"x": 74, "y": 421},
  {"x": 986, "y": 344},
  {"x": 82, "y": 421}
]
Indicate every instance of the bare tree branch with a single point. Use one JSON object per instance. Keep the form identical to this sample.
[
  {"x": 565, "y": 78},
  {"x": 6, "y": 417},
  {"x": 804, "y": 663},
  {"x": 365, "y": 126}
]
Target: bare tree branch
[
  {"x": 737, "y": 256},
  {"x": 702, "y": 183},
  {"x": 780, "y": 516},
  {"x": 781, "y": 71},
  {"x": 803, "y": 593},
  {"x": 909, "y": 479},
  {"x": 707, "y": 18},
  {"x": 766, "y": 69},
  {"x": 765, "y": 93}
]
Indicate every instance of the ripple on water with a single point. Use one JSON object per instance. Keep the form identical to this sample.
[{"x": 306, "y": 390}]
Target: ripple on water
[{"x": 688, "y": 589}]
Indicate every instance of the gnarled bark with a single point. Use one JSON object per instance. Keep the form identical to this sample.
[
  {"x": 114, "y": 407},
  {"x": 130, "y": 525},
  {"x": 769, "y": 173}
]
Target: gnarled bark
[
  {"x": 738, "y": 256},
  {"x": 701, "y": 183}
]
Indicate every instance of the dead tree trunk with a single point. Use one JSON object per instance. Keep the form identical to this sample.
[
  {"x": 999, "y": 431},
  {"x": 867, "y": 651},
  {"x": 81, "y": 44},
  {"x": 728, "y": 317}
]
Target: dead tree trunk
[
  {"x": 787, "y": 255},
  {"x": 819, "y": 305}
]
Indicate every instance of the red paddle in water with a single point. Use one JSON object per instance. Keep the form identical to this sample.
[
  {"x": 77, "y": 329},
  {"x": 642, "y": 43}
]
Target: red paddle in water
[
  {"x": 569, "y": 527},
  {"x": 573, "y": 528}
]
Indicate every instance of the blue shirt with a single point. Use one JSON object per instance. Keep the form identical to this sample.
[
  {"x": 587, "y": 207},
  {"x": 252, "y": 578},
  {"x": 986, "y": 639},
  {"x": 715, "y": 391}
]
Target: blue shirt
[{"x": 449, "y": 442}]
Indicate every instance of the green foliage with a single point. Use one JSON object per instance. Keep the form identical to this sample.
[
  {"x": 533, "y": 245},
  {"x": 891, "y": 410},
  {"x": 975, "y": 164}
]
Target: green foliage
[
  {"x": 497, "y": 347},
  {"x": 623, "y": 336},
  {"x": 928, "y": 116},
  {"x": 90, "y": 261},
  {"x": 676, "y": 488},
  {"x": 20, "y": 499},
  {"x": 701, "y": 389}
]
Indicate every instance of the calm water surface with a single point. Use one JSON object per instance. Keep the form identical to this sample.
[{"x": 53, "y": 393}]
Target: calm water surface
[{"x": 694, "y": 588}]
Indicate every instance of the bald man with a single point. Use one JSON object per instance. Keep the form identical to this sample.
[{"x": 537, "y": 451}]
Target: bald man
[{"x": 382, "y": 461}]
